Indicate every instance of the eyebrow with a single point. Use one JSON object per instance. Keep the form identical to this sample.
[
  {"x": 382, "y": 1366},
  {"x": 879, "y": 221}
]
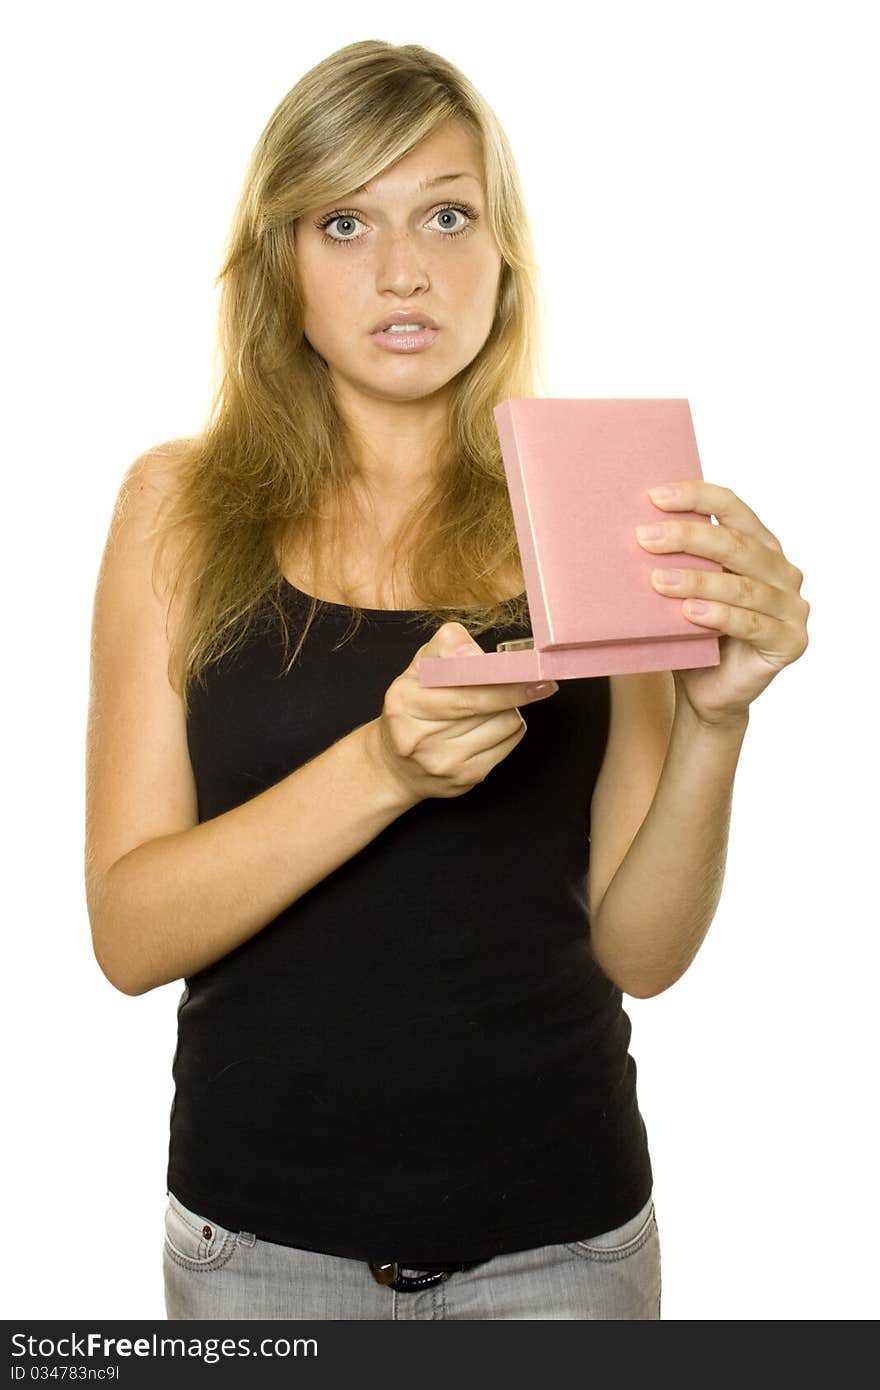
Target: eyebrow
[{"x": 429, "y": 183}]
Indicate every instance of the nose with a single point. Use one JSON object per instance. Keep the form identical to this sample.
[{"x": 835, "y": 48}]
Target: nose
[{"x": 401, "y": 266}]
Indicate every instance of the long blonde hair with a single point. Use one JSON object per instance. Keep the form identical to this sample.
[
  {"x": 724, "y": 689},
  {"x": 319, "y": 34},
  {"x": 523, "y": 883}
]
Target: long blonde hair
[{"x": 274, "y": 445}]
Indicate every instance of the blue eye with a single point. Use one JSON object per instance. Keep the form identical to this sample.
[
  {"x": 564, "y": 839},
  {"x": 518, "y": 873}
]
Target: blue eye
[{"x": 342, "y": 214}]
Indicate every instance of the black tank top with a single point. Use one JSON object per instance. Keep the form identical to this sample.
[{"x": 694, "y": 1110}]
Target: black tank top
[{"x": 419, "y": 1059}]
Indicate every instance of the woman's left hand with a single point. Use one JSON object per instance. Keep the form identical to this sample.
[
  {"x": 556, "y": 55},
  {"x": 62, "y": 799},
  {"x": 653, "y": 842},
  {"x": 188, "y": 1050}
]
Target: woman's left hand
[{"x": 754, "y": 603}]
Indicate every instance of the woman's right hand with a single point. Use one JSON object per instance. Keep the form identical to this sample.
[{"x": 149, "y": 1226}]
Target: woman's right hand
[{"x": 443, "y": 740}]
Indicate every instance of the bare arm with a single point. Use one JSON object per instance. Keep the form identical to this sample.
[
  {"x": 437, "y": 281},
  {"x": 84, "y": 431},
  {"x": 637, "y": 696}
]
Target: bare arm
[
  {"x": 661, "y": 901},
  {"x": 176, "y": 904}
]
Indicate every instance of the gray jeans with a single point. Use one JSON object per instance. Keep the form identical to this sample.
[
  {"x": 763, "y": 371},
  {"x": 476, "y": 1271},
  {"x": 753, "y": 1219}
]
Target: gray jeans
[{"x": 214, "y": 1273}]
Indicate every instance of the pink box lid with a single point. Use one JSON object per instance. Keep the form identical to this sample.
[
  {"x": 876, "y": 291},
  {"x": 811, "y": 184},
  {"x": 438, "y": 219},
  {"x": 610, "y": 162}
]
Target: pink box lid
[{"x": 578, "y": 473}]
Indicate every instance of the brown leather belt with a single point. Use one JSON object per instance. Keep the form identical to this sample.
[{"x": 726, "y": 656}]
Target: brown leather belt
[{"x": 388, "y": 1273}]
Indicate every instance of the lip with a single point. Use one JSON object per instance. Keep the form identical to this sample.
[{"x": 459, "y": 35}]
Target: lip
[
  {"x": 404, "y": 316},
  {"x": 405, "y": 342}
]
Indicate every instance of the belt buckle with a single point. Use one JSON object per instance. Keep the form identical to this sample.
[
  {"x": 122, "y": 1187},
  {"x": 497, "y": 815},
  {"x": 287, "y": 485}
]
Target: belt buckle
[{"x": 388, "y": 1273}]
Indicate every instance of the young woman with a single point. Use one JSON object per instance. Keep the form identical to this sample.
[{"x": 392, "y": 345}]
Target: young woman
[{"x": 405, "y": 917}]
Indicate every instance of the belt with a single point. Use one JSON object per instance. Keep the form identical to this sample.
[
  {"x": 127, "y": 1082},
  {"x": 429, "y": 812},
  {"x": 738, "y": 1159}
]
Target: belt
[{"x": 388, "y": 1273}]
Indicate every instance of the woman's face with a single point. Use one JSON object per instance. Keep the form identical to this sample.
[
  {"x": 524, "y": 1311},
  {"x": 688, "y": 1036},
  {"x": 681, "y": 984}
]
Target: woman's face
[{"x": 399, "y": 246}]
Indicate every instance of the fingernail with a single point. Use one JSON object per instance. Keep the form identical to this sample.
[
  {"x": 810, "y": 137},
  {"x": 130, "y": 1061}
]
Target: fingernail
[
  {"x": 665, "y": 494},
  {"x": 537, "y": 692},
  {"x": 466, "y": 649}
]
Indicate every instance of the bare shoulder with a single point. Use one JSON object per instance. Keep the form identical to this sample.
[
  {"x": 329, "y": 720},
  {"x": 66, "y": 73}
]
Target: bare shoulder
[
  {"x": 152, "y": 476},
  {"x": 148, "y": 486},
  {"x": 642, "y": 711}
]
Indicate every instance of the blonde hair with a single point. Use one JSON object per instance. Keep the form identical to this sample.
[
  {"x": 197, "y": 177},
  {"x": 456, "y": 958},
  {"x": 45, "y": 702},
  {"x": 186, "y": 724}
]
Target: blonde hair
[{"x": 274, "y": 445}]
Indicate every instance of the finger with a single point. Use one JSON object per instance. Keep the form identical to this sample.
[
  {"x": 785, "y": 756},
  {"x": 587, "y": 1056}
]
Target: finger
[
  {"x": 488, "y": 732},
  {"x": 459, "y": 741},
  {"x": 710, "y": 499},
  {"x": 497, "y": 751},
  {"x": 736, "y": 590},
  {"x": 460, "y": 701},
  {"x": 737, "y": 551},
  {"x": 777, "y": 640}
]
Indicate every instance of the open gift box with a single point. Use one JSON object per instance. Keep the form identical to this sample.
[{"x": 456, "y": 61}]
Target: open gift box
[{"x": 578, "y": 473}]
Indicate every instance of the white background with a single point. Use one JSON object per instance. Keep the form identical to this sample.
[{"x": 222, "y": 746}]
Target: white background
[{"x": 702, "y": 181}]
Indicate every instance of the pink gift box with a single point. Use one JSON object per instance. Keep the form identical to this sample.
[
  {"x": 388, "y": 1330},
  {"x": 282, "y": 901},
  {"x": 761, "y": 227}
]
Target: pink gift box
[{"x": 578, "y": 473}]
